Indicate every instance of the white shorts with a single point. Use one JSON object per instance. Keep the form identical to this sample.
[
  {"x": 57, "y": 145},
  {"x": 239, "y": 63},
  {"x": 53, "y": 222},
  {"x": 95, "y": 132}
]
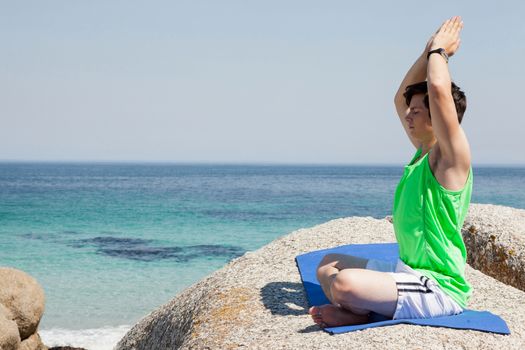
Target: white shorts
[{"x": 418, "y": 296}]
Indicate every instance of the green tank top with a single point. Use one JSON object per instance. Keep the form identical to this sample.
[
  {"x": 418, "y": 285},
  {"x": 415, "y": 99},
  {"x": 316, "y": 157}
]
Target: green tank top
[{"x": 427, "y": 222}]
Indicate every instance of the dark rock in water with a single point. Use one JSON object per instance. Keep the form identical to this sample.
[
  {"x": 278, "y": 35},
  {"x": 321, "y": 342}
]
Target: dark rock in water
[
  {"x": 215, "y": 250},
  {"x": 179, "y": 254},
  {"x": 143, "y": 253},
  {"x": 35, "y": 236},
  {"x": 111, "y": 242},
  {"x": 143, "y": 250}
]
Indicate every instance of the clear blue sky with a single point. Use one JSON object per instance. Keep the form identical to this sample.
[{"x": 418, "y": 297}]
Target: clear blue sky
[{"x": 245, "y": 81}]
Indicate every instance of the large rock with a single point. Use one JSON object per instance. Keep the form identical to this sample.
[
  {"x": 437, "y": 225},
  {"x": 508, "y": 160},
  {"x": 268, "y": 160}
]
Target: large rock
[
  {"x": 24, "y": 298},
  {"x": 495, "y": 240},
  {"x": 9, "y": 336},
  {"x": 33, "y": 343},
  {"x": 258, "y": 301}
]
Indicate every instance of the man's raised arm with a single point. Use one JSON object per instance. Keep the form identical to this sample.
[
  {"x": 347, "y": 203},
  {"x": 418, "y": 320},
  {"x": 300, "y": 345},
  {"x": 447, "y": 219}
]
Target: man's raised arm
[
  {"x": 452, "y": 141},
  {"x": 417, "y": 73}
]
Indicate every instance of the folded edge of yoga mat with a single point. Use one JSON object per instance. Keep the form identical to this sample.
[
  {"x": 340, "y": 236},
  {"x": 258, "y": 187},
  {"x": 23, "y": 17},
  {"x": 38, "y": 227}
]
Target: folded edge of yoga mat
[{"x": 469, "y": 319}]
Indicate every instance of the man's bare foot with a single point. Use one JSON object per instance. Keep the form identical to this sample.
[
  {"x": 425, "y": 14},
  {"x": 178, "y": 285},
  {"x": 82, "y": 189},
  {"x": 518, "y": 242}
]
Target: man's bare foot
[{"x": 329, "y": 315}]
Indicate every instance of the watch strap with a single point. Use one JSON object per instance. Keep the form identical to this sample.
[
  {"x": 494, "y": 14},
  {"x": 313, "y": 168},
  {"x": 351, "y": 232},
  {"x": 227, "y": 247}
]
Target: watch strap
[{"x": 440, "y": 51}]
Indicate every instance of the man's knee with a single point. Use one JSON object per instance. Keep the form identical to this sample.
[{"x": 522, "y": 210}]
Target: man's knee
[{"x": 345, "y": 287}]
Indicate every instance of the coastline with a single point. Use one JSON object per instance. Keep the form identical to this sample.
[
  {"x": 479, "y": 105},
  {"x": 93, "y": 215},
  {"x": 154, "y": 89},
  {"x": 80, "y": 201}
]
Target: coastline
[
  {"x": 104, "y": 338},
  {"x": 502, "y": 226}
]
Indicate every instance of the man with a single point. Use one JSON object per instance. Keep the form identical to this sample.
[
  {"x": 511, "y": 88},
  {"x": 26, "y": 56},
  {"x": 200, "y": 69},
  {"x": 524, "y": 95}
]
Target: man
[{"x": 431, "y": 202}]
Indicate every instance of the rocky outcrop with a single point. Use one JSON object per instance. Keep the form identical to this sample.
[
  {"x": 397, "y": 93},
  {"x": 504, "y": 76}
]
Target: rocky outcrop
[
  {"x": 258, "y": 301},
  {"x": 9, "y": 336},
  {"x": 33, "y": 342},
  {"x": 21, "y": 308},
  {"x": 495, "y": 240}
]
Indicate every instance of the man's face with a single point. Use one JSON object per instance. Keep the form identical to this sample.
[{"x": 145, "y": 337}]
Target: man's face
[{"x": 418, "y": 117}]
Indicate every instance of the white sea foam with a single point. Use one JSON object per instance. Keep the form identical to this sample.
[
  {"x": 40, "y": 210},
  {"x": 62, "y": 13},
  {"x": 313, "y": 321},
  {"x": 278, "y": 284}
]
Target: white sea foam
[{"x": 92, "y": 339}]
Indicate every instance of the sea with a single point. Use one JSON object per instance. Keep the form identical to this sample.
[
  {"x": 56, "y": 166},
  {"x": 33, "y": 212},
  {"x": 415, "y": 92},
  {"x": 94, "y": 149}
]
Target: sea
[{"x": 110, "y": 242}]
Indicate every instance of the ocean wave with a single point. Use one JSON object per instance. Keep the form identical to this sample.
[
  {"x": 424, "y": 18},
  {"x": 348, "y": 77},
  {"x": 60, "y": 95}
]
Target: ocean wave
[{"x": 92, "y": 339}]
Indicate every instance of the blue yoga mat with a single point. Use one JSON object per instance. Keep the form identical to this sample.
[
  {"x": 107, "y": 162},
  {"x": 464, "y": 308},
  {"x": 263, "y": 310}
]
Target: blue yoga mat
[{"x": 469, "y": 319}]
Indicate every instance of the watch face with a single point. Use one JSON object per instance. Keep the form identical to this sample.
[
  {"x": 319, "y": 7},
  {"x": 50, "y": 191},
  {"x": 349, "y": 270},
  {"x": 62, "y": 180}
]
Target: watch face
[{"x": 443, "y": 53}]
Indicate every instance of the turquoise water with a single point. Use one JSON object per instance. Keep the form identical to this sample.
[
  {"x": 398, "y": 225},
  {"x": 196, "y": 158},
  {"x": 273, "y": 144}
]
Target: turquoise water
[{"x": 111, "y": 242}]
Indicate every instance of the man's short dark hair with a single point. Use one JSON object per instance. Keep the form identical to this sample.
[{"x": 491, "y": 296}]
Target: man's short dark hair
[{"x": 460, "y": 100}]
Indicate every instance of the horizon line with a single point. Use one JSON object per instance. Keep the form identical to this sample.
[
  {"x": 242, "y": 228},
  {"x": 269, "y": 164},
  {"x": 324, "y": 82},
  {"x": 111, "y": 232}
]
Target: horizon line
[{"x": 228, "y": 163}]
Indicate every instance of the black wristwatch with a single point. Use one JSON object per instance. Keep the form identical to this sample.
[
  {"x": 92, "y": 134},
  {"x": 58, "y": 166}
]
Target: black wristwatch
[{"x": 440, "y": 51}]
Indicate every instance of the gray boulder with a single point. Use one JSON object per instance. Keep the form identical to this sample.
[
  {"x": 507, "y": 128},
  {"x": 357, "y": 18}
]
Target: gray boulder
[
  {"x": 33, "y": 343},
  {"x": 21, "y": 308},
  {"x": 495, "y": 240},
  {"x": 258, "y": 301},
  {"x": 9, "y": 336},
  {"x": 23, "y": 297}
]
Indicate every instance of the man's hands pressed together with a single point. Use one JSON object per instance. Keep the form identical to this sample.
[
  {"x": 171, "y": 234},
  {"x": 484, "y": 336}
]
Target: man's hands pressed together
[{"x": 447, "y": 36}]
